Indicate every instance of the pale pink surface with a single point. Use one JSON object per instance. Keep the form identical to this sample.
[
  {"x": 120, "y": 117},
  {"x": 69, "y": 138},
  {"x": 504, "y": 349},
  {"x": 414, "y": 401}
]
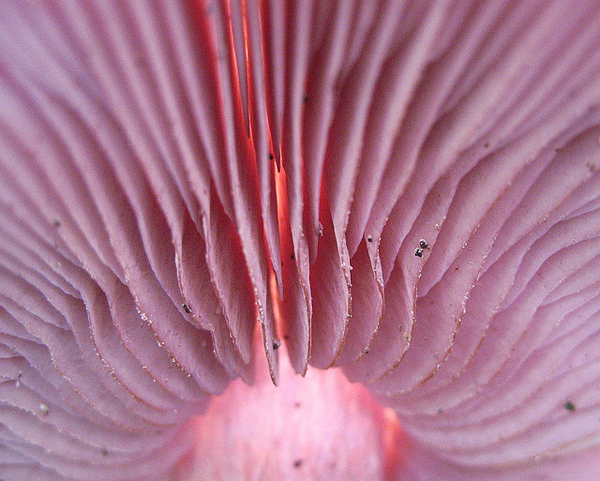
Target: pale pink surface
[
  {"x": 317, "y": 427},
  {"x": 178, "y": 180}
]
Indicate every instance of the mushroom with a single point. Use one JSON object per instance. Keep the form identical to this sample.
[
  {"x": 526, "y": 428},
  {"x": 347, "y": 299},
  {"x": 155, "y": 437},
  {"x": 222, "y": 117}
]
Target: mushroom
[{"x": 196, "y": 197}]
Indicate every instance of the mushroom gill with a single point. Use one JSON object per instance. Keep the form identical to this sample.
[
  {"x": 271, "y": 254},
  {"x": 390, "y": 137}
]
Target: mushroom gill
[{"x": 405, "y": 190}]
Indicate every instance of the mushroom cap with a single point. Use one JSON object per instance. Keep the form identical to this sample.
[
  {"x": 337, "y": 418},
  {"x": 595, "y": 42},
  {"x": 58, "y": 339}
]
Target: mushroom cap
[{"x": 408, "y": 191}]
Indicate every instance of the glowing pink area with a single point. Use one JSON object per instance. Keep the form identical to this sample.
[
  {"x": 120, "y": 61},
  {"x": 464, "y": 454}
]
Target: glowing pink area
[{"x": 316, "y": 427}]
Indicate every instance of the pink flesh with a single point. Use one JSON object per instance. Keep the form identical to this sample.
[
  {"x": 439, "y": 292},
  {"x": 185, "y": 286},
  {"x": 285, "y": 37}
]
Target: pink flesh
[{"x": 347, "y": 437}]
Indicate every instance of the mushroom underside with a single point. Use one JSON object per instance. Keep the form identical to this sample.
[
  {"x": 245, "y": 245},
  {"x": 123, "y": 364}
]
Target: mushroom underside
[{"x": 408, "y": 191}]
